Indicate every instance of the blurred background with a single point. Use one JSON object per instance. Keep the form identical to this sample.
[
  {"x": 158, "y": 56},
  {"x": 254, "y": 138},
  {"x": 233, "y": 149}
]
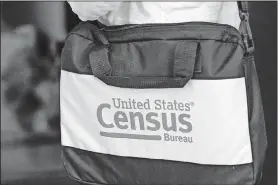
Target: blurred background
[{"x": 32, "y": 36}]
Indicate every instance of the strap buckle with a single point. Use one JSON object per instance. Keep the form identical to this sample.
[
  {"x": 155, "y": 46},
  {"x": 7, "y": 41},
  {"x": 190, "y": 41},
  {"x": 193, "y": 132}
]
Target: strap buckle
[{"x": 247, "y": 34}]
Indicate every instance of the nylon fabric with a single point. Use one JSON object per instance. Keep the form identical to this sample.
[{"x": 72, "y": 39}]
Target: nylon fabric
[
  {"x": 218, "y": 59},
  {"x": 109, "y": 169}
]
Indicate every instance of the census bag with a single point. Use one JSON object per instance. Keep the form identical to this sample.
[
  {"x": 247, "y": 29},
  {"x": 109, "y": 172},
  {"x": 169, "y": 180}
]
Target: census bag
[{"x": 162, "y": 104}]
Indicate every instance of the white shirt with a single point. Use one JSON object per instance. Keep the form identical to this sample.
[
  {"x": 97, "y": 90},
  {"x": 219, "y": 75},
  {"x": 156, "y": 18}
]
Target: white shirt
[{"x": 119, "y": 13}]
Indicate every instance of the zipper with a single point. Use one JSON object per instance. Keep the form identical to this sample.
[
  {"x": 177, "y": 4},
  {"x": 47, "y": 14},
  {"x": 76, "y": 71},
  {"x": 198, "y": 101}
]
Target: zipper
[
  {"x": 166, "y": 25},
  {"x": 156, "y": 27}
]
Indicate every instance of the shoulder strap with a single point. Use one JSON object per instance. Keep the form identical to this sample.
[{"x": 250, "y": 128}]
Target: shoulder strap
[
  {"x": 245, "y": 29},
  {"x": 243, "y": 6}
]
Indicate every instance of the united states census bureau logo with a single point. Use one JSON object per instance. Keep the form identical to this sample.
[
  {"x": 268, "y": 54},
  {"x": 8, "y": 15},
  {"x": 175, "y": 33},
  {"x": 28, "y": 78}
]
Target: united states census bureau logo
[{"x": 132, "y": 119}]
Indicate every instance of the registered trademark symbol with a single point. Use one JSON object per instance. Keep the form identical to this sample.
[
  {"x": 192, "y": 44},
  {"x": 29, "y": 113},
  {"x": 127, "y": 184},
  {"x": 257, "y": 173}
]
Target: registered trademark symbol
[{"x": 192, "y": 104}]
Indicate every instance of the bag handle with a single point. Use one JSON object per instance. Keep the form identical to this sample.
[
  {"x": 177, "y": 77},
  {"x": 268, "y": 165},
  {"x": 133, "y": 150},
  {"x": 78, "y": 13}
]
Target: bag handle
[
  {"x": 185, "y": 65},
  {"x": 98, "y": 57}
]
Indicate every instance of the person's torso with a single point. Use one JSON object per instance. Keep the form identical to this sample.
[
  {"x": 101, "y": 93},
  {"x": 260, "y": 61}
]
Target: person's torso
[{"x": 172, "y": 12}]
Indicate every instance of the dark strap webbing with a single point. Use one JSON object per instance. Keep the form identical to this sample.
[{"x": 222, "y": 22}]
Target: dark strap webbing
[
  {"x": 184, "y": 66},
  {"x": 245, "y": 29},
  {"x": 198, "y": 60},
  {"x": 99, "y": 57},
  {"x": 185, "y": 59},
  {"x": 145, "y": 82},
  {"x": 243, "y": 6},
  {"x": 99, "y": 61}
]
